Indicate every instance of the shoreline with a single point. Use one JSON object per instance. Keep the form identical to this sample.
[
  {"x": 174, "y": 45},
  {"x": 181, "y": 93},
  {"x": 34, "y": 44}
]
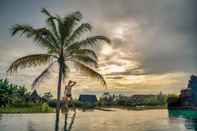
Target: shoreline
[{"x": 14, "y": 110}]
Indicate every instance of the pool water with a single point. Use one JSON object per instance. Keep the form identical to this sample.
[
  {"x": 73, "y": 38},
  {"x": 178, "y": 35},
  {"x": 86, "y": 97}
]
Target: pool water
[{"x": 116, "y": 120}]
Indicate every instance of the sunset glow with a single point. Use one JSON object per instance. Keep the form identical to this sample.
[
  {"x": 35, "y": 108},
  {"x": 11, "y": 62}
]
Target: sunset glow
[
  {"x": 146, "y": 50},
  {"x": 98, "y": 65}
]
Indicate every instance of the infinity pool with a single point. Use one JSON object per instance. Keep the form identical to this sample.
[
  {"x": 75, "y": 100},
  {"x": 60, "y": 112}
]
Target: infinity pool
[{"x": 116, "y": 120}]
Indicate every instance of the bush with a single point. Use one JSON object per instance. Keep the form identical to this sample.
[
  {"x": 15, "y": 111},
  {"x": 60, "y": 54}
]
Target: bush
[
  {"x": 34, "y": 108},
  {"x": 84, "y": 105},
  {"x": 45, "y": 108},
  {"x": 26, "y": 104},
  {"x": 52, "y": 103}
]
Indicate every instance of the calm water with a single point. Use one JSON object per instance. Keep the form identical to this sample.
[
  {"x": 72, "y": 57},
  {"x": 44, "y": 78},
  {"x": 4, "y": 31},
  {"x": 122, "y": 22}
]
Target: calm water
[{"x": 118, "y": 120}]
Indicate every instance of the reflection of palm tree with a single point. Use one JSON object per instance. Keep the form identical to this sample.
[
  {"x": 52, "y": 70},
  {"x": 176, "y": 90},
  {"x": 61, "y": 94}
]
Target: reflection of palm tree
[
  {"x": 68, "y": 127},
  {"x": 61, "y": 39},
  {"x": 30, "y": 126}
]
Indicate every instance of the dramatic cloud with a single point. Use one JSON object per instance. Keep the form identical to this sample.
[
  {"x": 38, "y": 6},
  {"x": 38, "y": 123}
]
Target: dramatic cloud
[{"x": 153, "y": 41}]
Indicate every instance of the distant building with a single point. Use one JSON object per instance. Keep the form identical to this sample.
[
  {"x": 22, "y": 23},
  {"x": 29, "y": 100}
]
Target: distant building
[
  {"x": 142, "y": 96},
  {"x": 106, "y": 94},
  {"x": 107, "y": 98},
  {"x": 86, "y": 98},
  {"x": 141, "y": 99}
]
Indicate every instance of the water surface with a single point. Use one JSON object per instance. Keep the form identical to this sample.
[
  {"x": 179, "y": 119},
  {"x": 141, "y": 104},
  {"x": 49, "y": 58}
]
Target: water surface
[{"x": 117, "y": 120}]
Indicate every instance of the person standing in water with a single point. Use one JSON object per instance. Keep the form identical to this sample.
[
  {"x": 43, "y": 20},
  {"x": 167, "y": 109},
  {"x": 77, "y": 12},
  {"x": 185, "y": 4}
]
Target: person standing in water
[{"x": 68, "y": 91}]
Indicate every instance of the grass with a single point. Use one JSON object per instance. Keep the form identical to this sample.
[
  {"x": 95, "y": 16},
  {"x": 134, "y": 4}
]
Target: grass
[{"x": 44, "y": 108}]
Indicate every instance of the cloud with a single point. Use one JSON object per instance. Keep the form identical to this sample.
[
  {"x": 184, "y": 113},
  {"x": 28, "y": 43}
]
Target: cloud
[
  {"x": 157, "y": 35},
  {"x": 151, "y": 39},
  {"x": 162, "y": 32}
]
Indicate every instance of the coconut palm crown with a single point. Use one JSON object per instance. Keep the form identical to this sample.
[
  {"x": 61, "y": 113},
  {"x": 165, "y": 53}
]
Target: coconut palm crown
[{"x": 62, "y": 39}]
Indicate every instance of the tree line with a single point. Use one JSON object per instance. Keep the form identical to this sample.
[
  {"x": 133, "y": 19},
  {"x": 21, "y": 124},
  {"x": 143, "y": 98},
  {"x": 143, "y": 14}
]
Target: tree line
[{"x": 17, "y": 96}]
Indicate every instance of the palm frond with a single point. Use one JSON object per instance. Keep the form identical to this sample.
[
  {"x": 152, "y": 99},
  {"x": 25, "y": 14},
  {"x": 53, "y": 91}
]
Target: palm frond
[
  {"x": 61, "y": 29},
  {"x": 47, "y": 34},
  {"x": 86, "y": 52},
  {"x": 53, "y": 26},
  {"x": 89, "y": 42},
  {"x": 91, "y": 72},
  {"x": 28, "y": 61},
  {"x": 79, "y": 31},
  {"x": 41, "y": 35},
  {"x": 70, "y": 21},
  {"x": 65, "y": 25},
  {"x": 51, "y": 22},
  {"x": 44, "y": 73},
  {"x": 46, "y": 12},
  {"x": 29, "y": 30},
  {"x": 86, "y": 60}
]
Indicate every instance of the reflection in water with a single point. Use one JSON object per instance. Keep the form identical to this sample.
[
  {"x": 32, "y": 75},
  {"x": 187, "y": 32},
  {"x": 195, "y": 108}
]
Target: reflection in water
[
  {"x": 97, "y": 120},
  {"x": 190, "y": 117},
  {"x": 57, "y": 123},
  {"x": 68, "y": 126},
  {"x": 191, "y": 124},
  {"x": 30, "y": 126},
  {"x": 72, "y": 121},
  {"x": 65, "y": 121}
]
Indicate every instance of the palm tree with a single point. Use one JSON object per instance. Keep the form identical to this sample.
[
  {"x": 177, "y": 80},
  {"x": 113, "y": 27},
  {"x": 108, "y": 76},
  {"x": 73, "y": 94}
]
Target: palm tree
[{"x": 62, "y": 37}]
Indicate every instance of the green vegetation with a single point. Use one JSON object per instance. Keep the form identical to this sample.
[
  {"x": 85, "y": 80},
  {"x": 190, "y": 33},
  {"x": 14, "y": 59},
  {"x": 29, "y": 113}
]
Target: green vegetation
[
  {"x": 16, "y": 99},
  {"x": 34, "y": 108},
  {"x": 135, "y": 102},
  {"x": 143, "y": 100},
  {"x": 11, "y": 94},
  {"x": 83, "y": 105}
]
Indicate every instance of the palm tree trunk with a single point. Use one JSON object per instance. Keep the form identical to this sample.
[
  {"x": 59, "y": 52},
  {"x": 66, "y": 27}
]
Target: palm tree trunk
[{"x": 58, "y": 97}]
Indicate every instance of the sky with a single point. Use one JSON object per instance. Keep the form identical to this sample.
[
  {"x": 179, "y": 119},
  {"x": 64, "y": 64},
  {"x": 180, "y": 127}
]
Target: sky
[{"x": 153, "y": 43}]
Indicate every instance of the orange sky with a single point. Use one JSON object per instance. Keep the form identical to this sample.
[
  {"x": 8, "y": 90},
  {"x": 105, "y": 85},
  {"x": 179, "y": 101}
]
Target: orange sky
[{"x": 153, "y": 43}]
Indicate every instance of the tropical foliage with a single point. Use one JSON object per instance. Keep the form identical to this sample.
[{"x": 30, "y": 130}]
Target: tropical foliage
[
  {"x": 135, "y": 100},
  {"x": 11, "y": 94}
]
